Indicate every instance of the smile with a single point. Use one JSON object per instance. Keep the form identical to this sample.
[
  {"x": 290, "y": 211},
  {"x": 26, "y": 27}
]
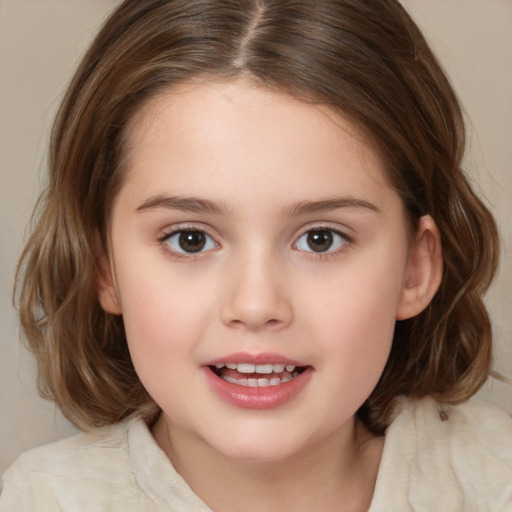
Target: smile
[
  {"x": 263, "y": 381},
  {"x": 256, "y": 375}
]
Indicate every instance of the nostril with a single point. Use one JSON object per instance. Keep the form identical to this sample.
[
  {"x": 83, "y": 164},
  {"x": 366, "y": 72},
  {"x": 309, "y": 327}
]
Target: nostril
[
  {"x": 256, "y": 324},
  {"x": 254, "y": 308}
]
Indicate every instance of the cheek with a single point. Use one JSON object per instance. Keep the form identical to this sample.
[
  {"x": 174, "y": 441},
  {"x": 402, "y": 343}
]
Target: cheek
[
  {"x": 362, "y": 330},
  {"x": 163, "y": 329},
  {"x": 357, "y": 321},
  {"x": 164, "y": 313},
  {"x": 364, "y": 292},
  {"x": 359, "y": 344}
]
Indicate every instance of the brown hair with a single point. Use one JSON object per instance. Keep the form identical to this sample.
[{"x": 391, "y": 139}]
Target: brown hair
[{"x": 363, "y": 58}]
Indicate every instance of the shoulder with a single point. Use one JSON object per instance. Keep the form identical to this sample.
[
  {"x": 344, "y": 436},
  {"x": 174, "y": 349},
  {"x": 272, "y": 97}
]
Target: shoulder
[
  {"x": 68, "y": 456},
  {"x": 450, "y": 457},
  {"x": 120, "y": 467},
  {"x": 52, "y": 475},
  {"x": 473, "y": 420},
  {"x": 476, "y": 425}
]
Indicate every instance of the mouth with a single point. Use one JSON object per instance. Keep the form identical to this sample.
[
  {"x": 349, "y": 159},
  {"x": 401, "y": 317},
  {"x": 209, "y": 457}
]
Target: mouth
[
  {"x": 257, "y": 375},
  {"x": 257, "y": 381}
]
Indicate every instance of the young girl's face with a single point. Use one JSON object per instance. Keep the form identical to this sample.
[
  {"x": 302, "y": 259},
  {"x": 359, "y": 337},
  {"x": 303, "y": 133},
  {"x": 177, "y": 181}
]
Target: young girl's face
[{"x": 260, "y": 259}]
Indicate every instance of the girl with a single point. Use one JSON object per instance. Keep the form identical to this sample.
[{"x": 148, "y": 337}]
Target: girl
[{"x": 257, "y": 274}]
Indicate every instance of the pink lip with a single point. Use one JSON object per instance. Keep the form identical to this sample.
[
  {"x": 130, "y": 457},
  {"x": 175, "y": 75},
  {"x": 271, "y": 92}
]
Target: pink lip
[
  {"x": 260, "y": 358},
  {"x": 260, "y": 398}
]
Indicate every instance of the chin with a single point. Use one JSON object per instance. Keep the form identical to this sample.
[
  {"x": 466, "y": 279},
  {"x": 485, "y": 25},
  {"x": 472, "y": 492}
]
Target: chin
[{"x": 263, "y": 446}]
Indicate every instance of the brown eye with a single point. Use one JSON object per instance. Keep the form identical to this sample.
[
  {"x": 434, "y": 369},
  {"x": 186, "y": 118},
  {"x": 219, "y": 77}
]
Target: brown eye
[
  {"x": 321, "y": 240},
  {"x": 190, "y": 241}
]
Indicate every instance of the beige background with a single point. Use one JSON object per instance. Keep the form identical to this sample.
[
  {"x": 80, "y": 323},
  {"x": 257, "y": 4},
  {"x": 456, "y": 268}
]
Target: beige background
[{"x": 40, "y": 42}]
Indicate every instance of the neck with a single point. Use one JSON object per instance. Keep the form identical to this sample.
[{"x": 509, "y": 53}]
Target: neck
[{"x": 340, "y": 470}]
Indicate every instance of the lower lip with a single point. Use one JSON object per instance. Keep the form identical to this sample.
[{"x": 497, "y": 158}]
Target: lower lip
[{"x": 267, "y": 397}]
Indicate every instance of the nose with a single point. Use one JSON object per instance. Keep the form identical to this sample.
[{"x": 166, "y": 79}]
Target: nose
[{"x": 257, "y": 296}]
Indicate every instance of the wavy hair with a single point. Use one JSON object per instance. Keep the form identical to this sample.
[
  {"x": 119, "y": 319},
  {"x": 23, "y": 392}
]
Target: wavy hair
[{"x": 365, "y": 59}]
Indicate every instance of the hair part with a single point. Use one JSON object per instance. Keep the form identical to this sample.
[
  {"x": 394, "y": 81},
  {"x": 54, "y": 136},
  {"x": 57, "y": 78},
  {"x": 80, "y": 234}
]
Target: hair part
[{"x": 365, "y": 59}]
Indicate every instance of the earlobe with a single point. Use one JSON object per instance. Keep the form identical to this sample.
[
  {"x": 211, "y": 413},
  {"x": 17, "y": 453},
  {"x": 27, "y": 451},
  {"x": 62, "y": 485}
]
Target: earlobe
[
  {"x": 105, "y": 283},
  {"x": 424, "y": 270}
]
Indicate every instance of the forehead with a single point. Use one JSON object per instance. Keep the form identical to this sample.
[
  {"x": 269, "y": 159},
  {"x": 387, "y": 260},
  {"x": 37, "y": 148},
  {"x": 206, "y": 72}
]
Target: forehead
[{"x": 239, "y": 134}]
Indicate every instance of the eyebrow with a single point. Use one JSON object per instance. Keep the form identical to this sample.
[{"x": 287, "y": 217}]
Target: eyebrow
[
  {"x": 303, "y": 207},
  {"x": 198, "y": 205},
  {"x": 188, "y": 204}
]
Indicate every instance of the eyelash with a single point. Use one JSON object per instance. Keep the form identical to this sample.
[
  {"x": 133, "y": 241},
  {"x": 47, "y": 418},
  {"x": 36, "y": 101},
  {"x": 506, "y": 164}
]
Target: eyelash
[
  {"x": 166, "y": 237},
  {"x": 323, "y": 255},
  {"x": 329, "y": 253}
]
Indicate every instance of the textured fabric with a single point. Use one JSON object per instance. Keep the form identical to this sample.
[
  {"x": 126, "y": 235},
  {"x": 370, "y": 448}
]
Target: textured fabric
[
  {"x": 456, "y": 459},
  {"x": 446, "y": 459}
]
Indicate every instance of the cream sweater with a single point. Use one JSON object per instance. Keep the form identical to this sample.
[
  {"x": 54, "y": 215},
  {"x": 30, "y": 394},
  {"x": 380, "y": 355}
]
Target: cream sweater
[{"x": 435, "y": 459}]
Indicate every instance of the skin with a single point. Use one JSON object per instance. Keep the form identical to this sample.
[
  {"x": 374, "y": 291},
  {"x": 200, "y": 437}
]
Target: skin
[{"x": 256, "y": 159}]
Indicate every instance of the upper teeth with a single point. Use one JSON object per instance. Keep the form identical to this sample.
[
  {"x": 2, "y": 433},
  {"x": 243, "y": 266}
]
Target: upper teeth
[{"x": 257, "y": 368}]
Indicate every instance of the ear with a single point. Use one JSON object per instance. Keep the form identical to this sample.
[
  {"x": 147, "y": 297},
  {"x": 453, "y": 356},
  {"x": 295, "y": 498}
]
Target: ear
[
  {"x": 424, "y": 270},
  {"x": 105, "y": 282}
]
